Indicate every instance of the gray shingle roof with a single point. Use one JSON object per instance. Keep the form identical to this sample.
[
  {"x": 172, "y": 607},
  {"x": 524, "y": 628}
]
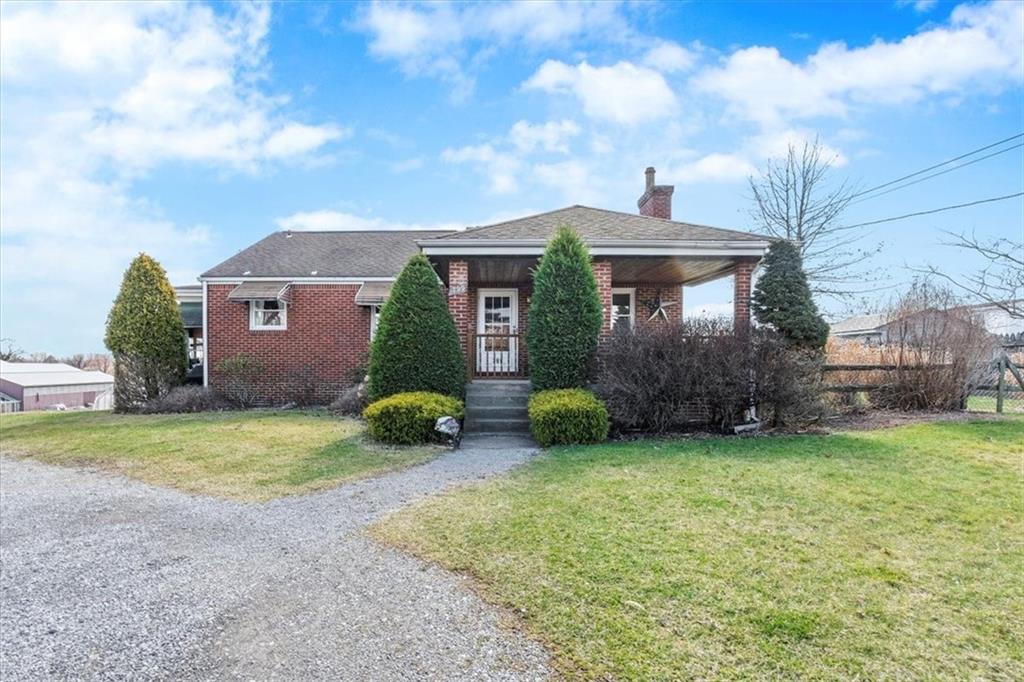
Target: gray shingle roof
[
  {"x": 379, "y": 253},
  {"x": 596, "y": 224},
  {"x": 859, "y": 323}
]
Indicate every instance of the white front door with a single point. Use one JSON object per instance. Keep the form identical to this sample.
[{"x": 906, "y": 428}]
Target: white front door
[{"x": 497, "y": 321}]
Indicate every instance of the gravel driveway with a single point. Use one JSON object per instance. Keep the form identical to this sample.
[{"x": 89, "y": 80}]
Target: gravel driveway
[{"x": 105, "y": 577}]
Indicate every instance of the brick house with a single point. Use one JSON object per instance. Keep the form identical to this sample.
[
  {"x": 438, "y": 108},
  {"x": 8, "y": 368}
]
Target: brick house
[{"x": 304, "y": 304}]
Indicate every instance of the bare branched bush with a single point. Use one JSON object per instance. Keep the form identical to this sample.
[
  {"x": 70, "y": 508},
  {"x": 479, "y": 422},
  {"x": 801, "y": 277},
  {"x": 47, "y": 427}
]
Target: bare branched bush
[
  {"x": 938, "y": 349},
  {"x": 240, "y": 379},
  {"x": 182, "y": 399},
  {"x": 658, "y": 378}
]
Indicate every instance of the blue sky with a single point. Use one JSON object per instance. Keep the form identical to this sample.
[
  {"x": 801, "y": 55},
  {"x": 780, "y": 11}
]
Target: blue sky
[{"x": 190, "y": 131}]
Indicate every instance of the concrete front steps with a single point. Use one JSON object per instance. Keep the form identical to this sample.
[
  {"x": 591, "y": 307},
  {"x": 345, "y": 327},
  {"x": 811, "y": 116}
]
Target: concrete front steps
[{"x": 497, "y": 407}]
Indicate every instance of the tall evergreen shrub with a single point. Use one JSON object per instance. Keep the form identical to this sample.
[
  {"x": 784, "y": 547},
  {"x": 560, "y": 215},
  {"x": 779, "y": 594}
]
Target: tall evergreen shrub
[
  {"x": 782, "y": 298},
  {"x": 146, "y": 336},
  {"x": 417, "y": 346},
  {"x": 565, "y": 315}
]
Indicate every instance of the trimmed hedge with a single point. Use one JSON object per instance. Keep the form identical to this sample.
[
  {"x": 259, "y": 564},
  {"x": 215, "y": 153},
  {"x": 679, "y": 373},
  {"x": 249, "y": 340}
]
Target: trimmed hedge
[
  {"x": 565, "y": 315},
  {"x": 409, "y": 418},
  {"x": 417, "y": 346},
  {"x": 567, "y": 416}
]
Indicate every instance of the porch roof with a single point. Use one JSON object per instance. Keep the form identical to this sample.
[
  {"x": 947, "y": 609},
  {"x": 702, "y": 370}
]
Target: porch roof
[{"x": 607, "y": 233}]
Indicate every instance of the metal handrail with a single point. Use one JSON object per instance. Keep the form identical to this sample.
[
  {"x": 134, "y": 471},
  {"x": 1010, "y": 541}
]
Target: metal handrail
[{"x": 489, "y": 358}]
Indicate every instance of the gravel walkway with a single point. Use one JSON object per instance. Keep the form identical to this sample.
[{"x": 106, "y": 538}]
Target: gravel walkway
[{"x": 106, "y": 578}]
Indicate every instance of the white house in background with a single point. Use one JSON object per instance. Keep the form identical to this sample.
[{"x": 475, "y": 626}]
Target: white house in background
[
  {"x": 47, "y": 385},
  {"x": 873, "y": 329}
]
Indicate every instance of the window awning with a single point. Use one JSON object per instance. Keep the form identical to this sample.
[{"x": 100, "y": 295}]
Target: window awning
[
  {"x": 261, "y": 291},
  {"x": 373, "y": 293}
]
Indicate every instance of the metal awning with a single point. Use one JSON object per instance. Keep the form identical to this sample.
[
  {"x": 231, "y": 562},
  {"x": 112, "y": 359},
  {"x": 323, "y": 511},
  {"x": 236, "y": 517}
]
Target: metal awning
[
  {"x": 373, "y": 293},
  {"x": 261, "y": 291}
]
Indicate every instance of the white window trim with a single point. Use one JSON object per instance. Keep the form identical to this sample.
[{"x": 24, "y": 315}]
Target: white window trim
[
  {"x": 632, "y": 306},
  {"x": 268, "y": 327}
]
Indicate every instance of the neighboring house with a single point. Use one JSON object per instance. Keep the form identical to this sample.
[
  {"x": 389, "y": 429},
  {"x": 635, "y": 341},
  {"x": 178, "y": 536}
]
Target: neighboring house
[
  {"x": 46, "y": 385},
  {"x": 305, "y": 304},
  {"x": 868, "y": 329},
  {"x": 876, "y": 329},
  {"x": 190, "y": 304}
]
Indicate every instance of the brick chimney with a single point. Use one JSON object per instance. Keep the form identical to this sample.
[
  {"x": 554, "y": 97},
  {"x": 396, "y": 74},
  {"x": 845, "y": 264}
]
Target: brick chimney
[{"x": 656, "y": 201}]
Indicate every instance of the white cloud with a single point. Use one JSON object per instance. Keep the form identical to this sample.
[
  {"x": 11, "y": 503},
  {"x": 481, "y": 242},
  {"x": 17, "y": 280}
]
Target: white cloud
[
  {"x": 670, "y": 57},
  {"x": 336, "y": 220},
  {"x": 552, "y": 136},
  {"x": 295, "y": 139},
  {"x": 622, "y": 93},
  {"x": 407, "y": 165},
  {"x": 441, "y": 39},
  {"x": 573, "y": 178},
  {"x": 776, "y": 144},
  {"x": 979, "y": 48},
  {"x": 921, "y": 6},
  {"x": 714, "y": 167},
  {"x": 95, "y": 97},
  {"x": 501, "y": 168}
]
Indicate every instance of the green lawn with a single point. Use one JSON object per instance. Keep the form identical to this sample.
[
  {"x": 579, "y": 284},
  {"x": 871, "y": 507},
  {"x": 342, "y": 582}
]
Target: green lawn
[
  {"x": 896, "y": 553},
  {"x": 251, "y": 456}
]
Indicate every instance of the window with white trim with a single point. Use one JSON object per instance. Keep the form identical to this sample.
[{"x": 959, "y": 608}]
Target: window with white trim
[
  {"x": 268, "y": 314},
  {"x": 623, "y": 314}
]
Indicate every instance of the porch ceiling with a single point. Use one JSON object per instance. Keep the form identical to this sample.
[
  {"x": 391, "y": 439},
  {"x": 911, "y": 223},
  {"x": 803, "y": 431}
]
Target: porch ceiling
[{"x": 668, "y": 270}]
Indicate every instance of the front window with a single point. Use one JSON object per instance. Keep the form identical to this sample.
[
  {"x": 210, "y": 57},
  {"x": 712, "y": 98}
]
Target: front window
[
  {"x": 623, "y": 313},
  {"x": 269, "y": 314}
]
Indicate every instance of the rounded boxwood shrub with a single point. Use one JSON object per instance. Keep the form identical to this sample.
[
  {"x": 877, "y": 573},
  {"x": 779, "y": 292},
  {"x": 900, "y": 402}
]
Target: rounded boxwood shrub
[
  {"x": 567, "y": 416},
  {"x": 409, "y": 418}
]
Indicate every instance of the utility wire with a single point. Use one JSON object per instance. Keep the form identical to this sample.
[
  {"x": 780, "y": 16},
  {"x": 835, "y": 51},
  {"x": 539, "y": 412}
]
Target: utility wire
[
  {"x": 938, "y": 165},
  {"x": 934, "y": 210},
  {"x": 941, "y": 172}
]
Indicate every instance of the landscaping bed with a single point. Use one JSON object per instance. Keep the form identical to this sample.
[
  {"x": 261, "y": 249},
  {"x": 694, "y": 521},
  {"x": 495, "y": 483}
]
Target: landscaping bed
[
  {"x": 250, "y": 455},
  {"x": 869, "y": 554}
]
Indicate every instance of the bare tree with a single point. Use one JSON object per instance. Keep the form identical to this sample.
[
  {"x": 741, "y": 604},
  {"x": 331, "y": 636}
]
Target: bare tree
[
  {"x": 1000, "y": 281},
  {"x": 9, "y": 352},
  {"x": 100, "y": 362},
  {"x": 793, "y": 200},
  {"x": 77, "y": 360}
]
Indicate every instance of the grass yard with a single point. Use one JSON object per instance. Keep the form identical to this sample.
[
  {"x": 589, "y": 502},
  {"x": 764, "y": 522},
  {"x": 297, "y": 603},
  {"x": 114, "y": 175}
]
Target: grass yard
[
  {"x": 248, "y": 456},
  {"x": 895, "y": 553}
]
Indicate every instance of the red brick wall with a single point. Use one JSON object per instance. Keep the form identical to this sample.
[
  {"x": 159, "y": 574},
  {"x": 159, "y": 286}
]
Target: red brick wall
[
  {"x": 603, "y": 275},
  {"x": 646, "y": 294},
  {"x": 328, "y": 336},
  {"x": 459, "y": 304},
  {"x": 741, "y": 296}
]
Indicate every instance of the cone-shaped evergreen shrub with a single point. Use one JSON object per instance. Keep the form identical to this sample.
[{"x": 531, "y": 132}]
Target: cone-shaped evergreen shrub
[
  {"x": 146, "y": 336},
  {"x": 565, "y": 315},
  {"x": 783, "y": 299},
  {"x": 417, "y": 346}
]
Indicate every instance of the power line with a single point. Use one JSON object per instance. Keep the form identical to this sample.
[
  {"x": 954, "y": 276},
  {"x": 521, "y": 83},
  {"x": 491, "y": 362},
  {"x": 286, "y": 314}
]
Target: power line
[
  {"x": 941, "y": 172},
  {"x": 934, "y": 210},
  {"x": 938, "y": 165}
]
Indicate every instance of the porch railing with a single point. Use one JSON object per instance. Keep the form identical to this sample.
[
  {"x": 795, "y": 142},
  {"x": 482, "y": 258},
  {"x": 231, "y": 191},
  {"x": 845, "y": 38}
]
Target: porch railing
[{"x": 496, "y": 356}]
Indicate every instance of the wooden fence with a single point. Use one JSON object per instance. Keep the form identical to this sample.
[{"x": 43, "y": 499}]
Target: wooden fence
[{"x": 1001, "y": 366}]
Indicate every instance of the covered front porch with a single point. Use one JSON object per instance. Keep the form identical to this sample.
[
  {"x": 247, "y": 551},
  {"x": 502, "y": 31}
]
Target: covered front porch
[{"x": 489, "y": 297}]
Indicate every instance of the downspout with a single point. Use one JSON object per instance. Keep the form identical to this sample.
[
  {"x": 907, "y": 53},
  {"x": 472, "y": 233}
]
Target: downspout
[{"x": 206, "y": 342}]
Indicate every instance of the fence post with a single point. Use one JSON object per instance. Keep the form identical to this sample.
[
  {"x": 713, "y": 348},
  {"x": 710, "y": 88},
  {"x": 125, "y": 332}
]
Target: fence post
[{"x": 1001, "y": 385}]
